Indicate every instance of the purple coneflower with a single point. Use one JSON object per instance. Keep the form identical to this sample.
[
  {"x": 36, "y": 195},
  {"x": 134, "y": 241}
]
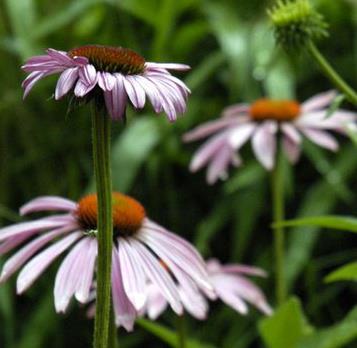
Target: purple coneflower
[
  {"x": 112, "y": 73},
  {"x": 261, "y": 122},
  {"x": 140, "y": 248},
  {"x": 230, "y": 285}
]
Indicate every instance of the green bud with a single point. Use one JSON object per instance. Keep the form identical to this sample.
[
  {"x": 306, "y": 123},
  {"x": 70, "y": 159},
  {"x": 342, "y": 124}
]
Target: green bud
[{"x": 295, "y": 23}]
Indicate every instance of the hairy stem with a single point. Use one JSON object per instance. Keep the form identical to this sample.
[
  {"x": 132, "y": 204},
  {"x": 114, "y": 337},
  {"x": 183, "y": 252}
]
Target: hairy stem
[{"x": 101, "y": 157}]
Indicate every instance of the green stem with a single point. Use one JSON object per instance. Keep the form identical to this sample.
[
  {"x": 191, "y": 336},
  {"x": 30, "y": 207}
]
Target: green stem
[
  {"x": 332, "y": 74},
  {"x": 181, "y": 332},
  {"x": 113, "y": 337},
  {"x": 101, "y": 157},
  {"x": 278, "y": 216}
]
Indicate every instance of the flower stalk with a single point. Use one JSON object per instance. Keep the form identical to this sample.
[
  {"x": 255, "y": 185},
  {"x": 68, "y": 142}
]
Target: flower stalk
[
  {"x": 277, "y": 192},
  {"x": 331, "y": 73},
  {"x": 181, "y": 332},
  {"x": 101, "y": 157}
]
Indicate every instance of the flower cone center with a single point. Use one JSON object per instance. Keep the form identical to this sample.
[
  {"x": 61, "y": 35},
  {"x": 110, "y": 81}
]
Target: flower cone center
[
  {"x": 278, "y": 110},
  {"x": 128, "y": 214},
  {"x": 111, "y": 59}
]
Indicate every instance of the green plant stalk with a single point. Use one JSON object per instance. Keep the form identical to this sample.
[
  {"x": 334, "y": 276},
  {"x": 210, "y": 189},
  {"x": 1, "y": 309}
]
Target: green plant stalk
[
  {"x": 330, "y": 72},
  {"x": 277, "y": 192},
  {"x": 101, "y": 157},
  {"x": 113, "y": 337},
  {"x": 181, "y": 332}
]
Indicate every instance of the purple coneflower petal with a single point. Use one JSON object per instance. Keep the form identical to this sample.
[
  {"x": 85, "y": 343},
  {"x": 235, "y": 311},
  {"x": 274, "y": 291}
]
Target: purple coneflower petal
[
  {"x": 125, "y": 312},
  {"x": 40, "y": 262},
  {"x": 243, "y": 269},
  {"x": 264, "y": 144},
  {"x": 134, "y": 91},
  {"x": 47, "y": 203},
  {"x": 133, "y": 275},
  {"x": 240, "y": 135},
  {"x": 217, "y": 168},
  {"x": 85, "y": 280},
  {"x": 106, "y": 81},
  {"x": 87, "y": 80},
  {"x": 22, "y": 255},
  {"x": 116, "y": 99},
  {"x": 236, "y": 109},
  {"x": 291, "y": 149},
  {"x": 68, "y": 275},
  {"x": 157, "y": 275},
  {"x": 60, "y": 56},
  {"x": 30, "y": 81},
  {"x": 156, "y": 302},
  {"x": 170, "y": 66},
  {"x": 318, "y": 101},
  {"x": 66, "y": 82},
  {"x": 321, "y": 138}
]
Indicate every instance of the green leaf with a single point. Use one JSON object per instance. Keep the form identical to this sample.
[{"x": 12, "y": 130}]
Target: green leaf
[
  {"x": 286, "y": 327},
  {"x": 336, "y": 336},
  {"x": 344, "y": 223},
  {"x": 169, "y": 336},
  {"x": 131, "y": 150},
  {"x": 346, "y": 272}
]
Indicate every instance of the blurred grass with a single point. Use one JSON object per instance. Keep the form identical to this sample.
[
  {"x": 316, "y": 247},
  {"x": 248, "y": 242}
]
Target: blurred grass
[{"x": 234, "y": 58}]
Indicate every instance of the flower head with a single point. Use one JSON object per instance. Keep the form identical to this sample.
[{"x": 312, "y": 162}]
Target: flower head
[
  {"x": 261, "y": 122},
  {"x": 111, "y": 75},
  {"x": 230, "y": 285},
  {"x": 140, "y": 248},
  {"x": 296, "y": 22}
]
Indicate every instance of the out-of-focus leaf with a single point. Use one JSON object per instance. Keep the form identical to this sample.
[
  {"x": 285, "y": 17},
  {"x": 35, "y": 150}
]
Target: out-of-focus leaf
[
  {"x": 169, "y": 336},
  {"x": 346, "y": 272},
  {"x": 60, "y": 19},
  {"x": 143, "y": 9},
  {"x": 319, "y": 200},
  {"x": 22, "y": 17},
  {"x": 130, "y": 151},
  {"x": 286, "y": 327},
  {"x": 344, "y": 223},
  {"x": 245, "y": 177},
  {"x": 336, "y": 336},
  {"x": 336, "y": 103}
]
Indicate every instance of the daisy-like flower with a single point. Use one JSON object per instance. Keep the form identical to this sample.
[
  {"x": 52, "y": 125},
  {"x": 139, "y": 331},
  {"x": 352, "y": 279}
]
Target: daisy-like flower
[
  {"x": 261, "y": 122},
  {"x": 230, "y": 285},
  {"x": 112, "y": 74},
  {"x": 140, "y": 247}
]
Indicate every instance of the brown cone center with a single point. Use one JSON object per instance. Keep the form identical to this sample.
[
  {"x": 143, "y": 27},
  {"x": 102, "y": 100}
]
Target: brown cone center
[{"x": 128, "y": 214}]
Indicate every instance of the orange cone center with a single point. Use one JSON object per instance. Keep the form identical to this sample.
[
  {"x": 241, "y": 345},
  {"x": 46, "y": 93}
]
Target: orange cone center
[{"x": 278, "y": 110}]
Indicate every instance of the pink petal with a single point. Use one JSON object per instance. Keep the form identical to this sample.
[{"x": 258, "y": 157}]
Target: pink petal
[
  {"x": 170, "y": 66},
  {"x": 243, "y": 269},
  {"x": 156, "y": 303},
  {"x": 218, "y": 167},
  {"x": 66, "y": 82},
  {"x": 47, "y": 203},
  {"x": 85, "y": 281},
  {"x": 68, "y": 275},
  {"x": 125, "y": 313},
  {"x": 291, "y": 132},
  {"x": 134, "y": 279},
  {"x": 134, "y": 91},
  {"x": 236, "y": 110},
  {"x": 291, "y": 149},
  {"x": 22, "y": 255},
  {"x": 264, "y": 144},
  {"x": 319, "y": 101},
  {"x": 39, "y": 263},
  {"x": 321, "y": 138},
  {"x": 240, "y": 135},
  {"x": 106, "y": 81},
  {"x": 29, "y": 228},
  {"x": 157, "y": 275},
  {"x": 11, "y": 243},
  {"x": 31, "y": 80},
  {"x": 87, "y": 80},
  {"x": 60, "y": 56},
  {"x": 116, "y": 99}
]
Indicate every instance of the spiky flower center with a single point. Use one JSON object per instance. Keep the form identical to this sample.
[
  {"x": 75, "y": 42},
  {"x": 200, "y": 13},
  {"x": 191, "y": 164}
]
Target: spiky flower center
[
  {"x": 128, "y": 214},
  {"x": 278, "y": 110},
  {"x": 111, "y": 59}
]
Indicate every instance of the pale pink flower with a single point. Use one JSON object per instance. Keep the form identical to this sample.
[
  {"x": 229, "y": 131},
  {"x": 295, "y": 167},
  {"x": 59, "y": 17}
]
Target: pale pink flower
[
  {"x": 261, "y": 122},
  {"x": 111, "y": 75},
  {"x": 230, "y": 285},
  {"x": 140, "y": 247}
]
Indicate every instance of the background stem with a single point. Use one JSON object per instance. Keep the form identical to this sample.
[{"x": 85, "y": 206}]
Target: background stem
[
  {"x": 181, "y": 331},
  {"x": 278, "y": 216},
  {"x": 101, "y": 157},
  {"x": 330, "y": 72}
]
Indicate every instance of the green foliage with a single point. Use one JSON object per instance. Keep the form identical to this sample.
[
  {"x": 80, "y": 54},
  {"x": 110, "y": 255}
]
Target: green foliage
[{"x": 346, "y": 272}]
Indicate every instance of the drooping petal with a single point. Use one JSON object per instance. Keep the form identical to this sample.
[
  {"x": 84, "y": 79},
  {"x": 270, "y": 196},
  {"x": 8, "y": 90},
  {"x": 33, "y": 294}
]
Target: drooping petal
[
  {"x": 106, "y": 81},
  {"x": 218, "y": 167},
  {"x": 66, "y": 82},
  {"x": 158, "y": 275},
  {"x": 134, "y": 279},
  {"x": 11, "y": 243},
  {"x": 116, "y": 99},
  {"x": 38, "y": 264},
  {"x": 47, "y": 203},
  {"x": 85, "y": 280},
  {"x": 87, "y": 80},
  {"x": 60, "y": 57},
  {"x": 31, "y": 80},
  {"x": 170, "y": 66},
  {"x": 124, "y": 311},
  {"x": 69, "y": 274},
  {"x": 156, "y": 303},
  {"x": 321, "y": 138},
  {"x": 25, "y": 253},
  {"x": 291, "y": 149},
  {"x": 264, "y": 144},
  {"x": 235, "y": 110},
  {"x": 318, "y": 101},
  {"x": 240, "y": 135},
  {"x": 134, "y": 91}
]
